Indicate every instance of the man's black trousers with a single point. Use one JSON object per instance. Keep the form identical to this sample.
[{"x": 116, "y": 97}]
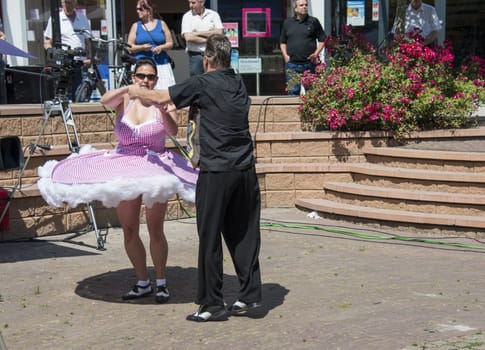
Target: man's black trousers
[{"x": 228, "y": 203}]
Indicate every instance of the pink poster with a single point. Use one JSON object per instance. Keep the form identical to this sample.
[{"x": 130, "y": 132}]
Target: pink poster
[{"x": 231, "y": 30}]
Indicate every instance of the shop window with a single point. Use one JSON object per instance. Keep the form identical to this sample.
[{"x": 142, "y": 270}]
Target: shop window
[
  {"x": 271, "y": 78},
  {"x": 37, "y": 13}
]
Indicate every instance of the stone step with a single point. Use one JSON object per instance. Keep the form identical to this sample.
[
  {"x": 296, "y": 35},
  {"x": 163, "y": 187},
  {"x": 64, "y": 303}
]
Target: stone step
[
  {"x": 418, "y": 179},
  {"x": 399, "y": 218},
  {"x": 401, "y": 199},
  {"x": 418, "y": 174},
  {"x": 424, "y": 196},
  {"x": 426, "y": 159},
  {"x": 400, "y": 152}
]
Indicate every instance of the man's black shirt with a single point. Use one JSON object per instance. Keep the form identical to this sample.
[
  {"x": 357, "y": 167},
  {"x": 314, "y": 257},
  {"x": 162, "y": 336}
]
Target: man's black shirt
[
  {"x": 221, "y": 96},
  {"x": 300, "y": 37}
]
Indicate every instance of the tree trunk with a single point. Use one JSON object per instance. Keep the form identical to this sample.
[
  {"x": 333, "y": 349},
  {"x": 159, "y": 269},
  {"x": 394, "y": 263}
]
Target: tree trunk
[{"x": 400, "y": 19}]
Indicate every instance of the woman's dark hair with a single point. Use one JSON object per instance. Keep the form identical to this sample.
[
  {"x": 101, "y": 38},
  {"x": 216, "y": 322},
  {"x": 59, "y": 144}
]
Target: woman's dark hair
[
  {"x": 143, "y": 62},
  {"x": 218, "y": 51},
  {"x": 147, "y": 5}
]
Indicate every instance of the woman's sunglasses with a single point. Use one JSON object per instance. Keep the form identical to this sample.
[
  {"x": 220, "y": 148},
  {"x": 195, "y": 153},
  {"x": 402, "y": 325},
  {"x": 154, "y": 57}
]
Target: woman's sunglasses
[{"x": 150, "y": 77}]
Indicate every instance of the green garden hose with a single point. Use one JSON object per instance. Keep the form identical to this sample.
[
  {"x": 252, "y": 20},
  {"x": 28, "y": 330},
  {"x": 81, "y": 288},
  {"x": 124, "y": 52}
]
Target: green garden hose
[{"x": 371, "y": 236}]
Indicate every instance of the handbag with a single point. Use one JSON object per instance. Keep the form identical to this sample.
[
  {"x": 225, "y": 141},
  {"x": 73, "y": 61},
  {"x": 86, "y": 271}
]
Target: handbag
[
  {"x": 170, "y": 59},
  {"x": 193, "y": 141}
]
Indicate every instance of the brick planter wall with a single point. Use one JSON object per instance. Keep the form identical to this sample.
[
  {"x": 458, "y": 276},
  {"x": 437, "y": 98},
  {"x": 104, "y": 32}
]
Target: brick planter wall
[{"x": 290, "y": 162}]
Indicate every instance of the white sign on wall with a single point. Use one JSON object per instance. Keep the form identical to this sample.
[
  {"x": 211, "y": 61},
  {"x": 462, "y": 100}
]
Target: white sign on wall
[{"x": 250, "y": 65}]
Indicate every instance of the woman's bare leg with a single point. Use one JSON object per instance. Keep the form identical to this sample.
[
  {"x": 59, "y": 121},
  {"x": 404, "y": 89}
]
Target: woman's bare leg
[
  {"x": 129, "y": 216},
  {"x": 155, "y": 217}
]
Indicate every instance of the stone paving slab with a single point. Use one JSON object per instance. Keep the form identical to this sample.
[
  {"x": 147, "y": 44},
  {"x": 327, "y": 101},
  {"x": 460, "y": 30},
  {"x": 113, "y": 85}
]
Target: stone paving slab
[{"x": 321, "y": 290}]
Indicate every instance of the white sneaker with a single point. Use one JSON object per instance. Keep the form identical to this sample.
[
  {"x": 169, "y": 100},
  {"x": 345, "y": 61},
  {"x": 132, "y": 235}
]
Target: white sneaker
[{"x": 138, "y": 292}]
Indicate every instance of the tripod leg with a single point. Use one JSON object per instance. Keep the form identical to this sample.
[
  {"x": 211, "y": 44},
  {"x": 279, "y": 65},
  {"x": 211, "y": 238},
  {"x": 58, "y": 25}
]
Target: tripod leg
[
  {"x": 2, "y": 343},
  {"x": 99, "y": 238},
  {"x": 68, "y": 120},
  {"x": 74, "y": 146}
]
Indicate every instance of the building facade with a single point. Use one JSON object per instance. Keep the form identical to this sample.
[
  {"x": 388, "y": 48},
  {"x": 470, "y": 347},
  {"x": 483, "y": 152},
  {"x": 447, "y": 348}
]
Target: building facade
[{"x": 259, "y": 57}]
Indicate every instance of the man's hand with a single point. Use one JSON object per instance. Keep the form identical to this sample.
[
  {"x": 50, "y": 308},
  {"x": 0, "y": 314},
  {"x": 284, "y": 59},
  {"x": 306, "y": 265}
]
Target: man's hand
[
  {"x": 168, "y": 107},
  {"x": 286, "y": 58},
  {"x": 314, "y": 58},
  {"x": 192, "y": 37},
  {"x": 147, "y": 96}
]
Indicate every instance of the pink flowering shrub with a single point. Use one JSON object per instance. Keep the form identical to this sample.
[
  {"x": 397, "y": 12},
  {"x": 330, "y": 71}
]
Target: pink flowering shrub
[{"x": 409, "y": 87}]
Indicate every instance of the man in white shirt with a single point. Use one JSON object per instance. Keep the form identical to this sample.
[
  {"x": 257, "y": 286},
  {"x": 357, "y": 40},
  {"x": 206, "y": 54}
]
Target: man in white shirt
[
  {"x": 197, "y": 24},
  {"x": 422, "y": 17},
  {"x": 70, "y": 21}
]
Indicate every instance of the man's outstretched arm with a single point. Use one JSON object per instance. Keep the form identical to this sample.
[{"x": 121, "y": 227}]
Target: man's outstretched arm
[{"x": 156, "y": 97}]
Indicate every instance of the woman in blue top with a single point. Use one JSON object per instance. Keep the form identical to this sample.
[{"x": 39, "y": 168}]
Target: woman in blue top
[{"x": 150, "y": 37}]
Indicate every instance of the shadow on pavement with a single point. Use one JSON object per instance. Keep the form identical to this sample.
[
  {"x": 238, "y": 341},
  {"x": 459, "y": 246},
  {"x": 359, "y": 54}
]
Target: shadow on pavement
[
  {"x": 182, "y": 283},
  {"x": 273, "y": 296},
  {"x": 37, "y": 249},
  {"x": 111, "y": 285}
]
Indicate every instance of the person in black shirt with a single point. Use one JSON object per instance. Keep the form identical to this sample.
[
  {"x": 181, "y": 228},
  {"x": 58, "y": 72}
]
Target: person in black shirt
[
  {"x": 298, "y": 43},
  {"x": 228, "y": 199}
]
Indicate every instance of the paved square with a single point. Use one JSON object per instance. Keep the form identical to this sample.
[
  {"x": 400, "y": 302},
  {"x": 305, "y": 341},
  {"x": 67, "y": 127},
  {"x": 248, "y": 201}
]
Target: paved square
[{"x": 321, "y": 290}]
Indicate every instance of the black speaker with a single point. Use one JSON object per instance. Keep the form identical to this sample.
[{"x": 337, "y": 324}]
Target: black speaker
[
  {"x": 11, "y": 153},
  {"x": 28, "y": 84}
]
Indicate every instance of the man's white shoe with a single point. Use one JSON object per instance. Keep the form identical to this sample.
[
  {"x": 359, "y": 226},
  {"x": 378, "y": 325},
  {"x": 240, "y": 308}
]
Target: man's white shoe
[{"x": 240, "y": 307}]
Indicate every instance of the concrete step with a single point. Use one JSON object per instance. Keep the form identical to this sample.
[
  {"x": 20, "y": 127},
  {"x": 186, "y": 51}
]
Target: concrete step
[
  {"x": 401, "y": 152},
  {"x": 418, "y": 179},
  {"x": 426, "y": 159},
  {"x": 396, "y": 217},
  {"x": 401, "y": 199},
  {"x": 395, "y": 193},
  {"x": 409, "y": 187},
  {"x": 418, "y": 174}
]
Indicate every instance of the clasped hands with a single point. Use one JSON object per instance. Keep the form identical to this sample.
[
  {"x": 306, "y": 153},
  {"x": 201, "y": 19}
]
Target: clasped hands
[
  {"x": 149, "y": 47},
  {"x": 148, "y": 97}
]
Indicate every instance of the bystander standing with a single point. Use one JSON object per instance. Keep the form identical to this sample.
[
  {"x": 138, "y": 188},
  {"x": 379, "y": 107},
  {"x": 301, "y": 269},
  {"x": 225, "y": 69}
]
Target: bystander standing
[
  {"x": 197, "y": 24},
  {"x": 298, "y": 43},
  {"x": 422, "y": 17},
  {"x": 150, "y": 37},
  {"x": 70, "y": 21}
]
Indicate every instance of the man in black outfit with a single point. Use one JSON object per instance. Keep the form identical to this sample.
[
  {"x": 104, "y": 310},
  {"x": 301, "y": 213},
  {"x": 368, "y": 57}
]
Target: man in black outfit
[
  {"x": 227, "y": 197},
  {"x": 298, "y": 44}
]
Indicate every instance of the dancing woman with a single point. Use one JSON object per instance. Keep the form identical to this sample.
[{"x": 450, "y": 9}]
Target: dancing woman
[{"x": 139, "y": 170}]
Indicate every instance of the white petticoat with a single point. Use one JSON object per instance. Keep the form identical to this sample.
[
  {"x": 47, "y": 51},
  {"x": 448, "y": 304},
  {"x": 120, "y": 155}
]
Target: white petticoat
[{"x": 153, "y": 189}]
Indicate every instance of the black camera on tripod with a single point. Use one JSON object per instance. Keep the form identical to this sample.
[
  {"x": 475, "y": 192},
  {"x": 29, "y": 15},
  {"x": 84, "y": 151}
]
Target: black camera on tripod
[
  {"x": 62, "y": 63},
  {"x": 65, "y": 59}
]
